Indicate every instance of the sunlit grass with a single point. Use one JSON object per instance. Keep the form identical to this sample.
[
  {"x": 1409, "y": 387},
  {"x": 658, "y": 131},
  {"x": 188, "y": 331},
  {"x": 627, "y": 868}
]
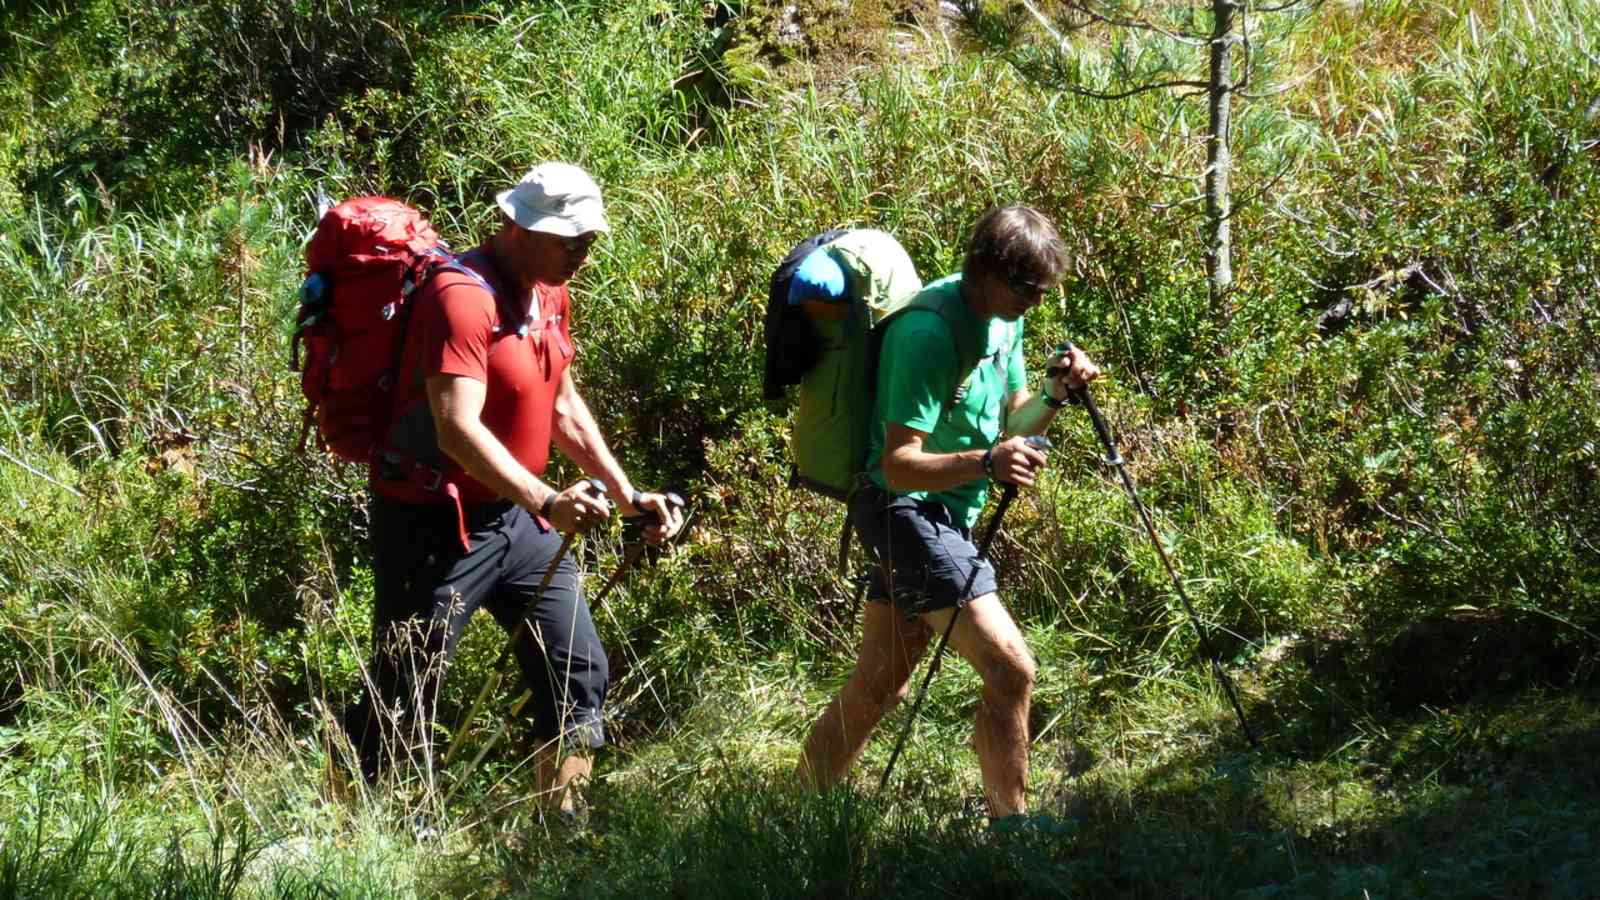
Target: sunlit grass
[{"x": 186, "y": 597}]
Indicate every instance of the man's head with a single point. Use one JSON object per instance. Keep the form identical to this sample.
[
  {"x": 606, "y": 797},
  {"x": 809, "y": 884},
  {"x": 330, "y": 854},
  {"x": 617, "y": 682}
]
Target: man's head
[
  {"x": 1014, "y": 258},
  {"x": 552, "y": 217}
]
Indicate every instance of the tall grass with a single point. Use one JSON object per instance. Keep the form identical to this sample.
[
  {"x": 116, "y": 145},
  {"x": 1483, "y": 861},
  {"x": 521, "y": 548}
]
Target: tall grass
[{"x": 1397, "y": 425}]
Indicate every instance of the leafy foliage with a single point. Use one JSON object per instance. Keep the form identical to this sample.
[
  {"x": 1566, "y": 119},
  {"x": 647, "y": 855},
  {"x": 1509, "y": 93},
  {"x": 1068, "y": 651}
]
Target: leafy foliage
[{"x": 1376, "y": 476}]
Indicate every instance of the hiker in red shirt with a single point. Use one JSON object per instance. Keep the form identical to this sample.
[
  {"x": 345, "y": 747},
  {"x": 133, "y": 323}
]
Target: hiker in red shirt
[{"x": 460, "y": 515}]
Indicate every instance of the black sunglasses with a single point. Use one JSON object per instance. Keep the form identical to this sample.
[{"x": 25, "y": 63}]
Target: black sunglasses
[
  {"x": 1025, "y": 288},
  {"x": 579, "y": 244}
]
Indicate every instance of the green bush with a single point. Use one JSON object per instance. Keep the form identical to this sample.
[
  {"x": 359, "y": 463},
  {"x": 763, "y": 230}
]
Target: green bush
[{"x": 1393, "y": 427}]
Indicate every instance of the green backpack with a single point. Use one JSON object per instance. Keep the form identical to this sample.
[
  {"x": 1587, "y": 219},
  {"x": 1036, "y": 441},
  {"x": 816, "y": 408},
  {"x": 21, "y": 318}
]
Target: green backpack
[{"x": 829, "y": 437}]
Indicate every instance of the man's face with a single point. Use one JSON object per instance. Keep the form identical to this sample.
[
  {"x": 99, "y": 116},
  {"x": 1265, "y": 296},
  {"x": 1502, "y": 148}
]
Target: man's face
[
  {"x": 553, "y": 259},
  {"x": 1011, "y": 297}
]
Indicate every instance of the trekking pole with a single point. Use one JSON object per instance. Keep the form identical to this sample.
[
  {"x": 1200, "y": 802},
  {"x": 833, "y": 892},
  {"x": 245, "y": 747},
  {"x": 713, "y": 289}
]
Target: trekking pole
[
  {"x": 595, "y": 486},
  {"x": 644, "y": 520},
  {"x": 488, "y": 745},
  {"x": 1114, "y": 459},
  {"x": 1037, "y": 442}
]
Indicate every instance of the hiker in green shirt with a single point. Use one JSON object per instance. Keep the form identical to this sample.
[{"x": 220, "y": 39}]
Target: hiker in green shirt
[{"x": 951, "y": 413}]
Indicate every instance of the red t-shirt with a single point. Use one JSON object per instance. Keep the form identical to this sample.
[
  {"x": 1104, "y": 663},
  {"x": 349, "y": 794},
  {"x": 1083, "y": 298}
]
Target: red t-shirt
[{"x": 458, "y": 328}]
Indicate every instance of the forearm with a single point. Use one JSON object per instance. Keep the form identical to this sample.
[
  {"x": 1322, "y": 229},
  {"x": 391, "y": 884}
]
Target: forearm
[
  {"x": 577, "y": 435},
  {"x": 480, "y": 454},
  {"x": 1030, "y": 415},
  {"x": 909, "y": 468}
]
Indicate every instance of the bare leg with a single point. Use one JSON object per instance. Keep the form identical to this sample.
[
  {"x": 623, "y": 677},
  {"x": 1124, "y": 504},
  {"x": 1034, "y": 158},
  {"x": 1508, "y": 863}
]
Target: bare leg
[
  {"x": 989, "y": 640},
  {"x": 561, "y": 778},
  {"x": 890, "y": 648}
]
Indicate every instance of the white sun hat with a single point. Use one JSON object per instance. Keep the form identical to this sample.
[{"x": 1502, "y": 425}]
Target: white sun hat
[{"x": 554, "y": 197}]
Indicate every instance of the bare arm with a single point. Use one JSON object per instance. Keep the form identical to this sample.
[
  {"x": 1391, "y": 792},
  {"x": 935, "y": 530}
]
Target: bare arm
[
  {"x": 578, "y": 436},
  {"x": 907, "y": 467},
  {"x": 457, "y": 406},
  {"x": 1028, "y": 413}
]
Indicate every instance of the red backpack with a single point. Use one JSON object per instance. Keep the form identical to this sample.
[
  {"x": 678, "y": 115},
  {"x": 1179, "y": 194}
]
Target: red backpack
[{"x": 368, "y": 256}]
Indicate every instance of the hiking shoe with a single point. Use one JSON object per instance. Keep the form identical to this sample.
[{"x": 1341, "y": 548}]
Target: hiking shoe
[
  {"x": 423, "y": 829},
  {"x": 574, "y": 819}
]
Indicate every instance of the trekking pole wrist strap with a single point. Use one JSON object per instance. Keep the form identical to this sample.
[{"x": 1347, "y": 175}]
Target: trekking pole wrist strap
[
  {"x": 988, "y": 462},
  {"x": 548, "y": 505}
]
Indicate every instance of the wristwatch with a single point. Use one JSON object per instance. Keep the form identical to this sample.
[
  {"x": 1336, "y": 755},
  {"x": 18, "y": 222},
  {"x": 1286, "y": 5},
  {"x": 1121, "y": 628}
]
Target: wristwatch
[{"x": 1053, "y": 403}]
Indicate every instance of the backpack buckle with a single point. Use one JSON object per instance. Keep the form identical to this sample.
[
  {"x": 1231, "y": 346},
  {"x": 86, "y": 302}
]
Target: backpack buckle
[{"x": 436, "y": 482}]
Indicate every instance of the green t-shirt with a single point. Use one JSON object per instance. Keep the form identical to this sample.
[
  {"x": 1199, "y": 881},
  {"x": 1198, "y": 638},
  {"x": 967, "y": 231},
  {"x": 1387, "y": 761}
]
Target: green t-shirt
[{"x": 916, "y": 371}]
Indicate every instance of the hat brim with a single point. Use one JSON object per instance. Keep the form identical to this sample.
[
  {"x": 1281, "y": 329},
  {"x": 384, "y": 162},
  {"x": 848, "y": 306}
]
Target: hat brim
[{"x": 581, "y": 217}]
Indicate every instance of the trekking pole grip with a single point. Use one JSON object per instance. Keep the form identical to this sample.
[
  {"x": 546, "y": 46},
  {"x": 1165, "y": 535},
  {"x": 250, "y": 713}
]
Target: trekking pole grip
[
  {"x": 634, "y": 526},
  {"x": 651, "y": 517},
  {"x": 1008, "y": 493}
]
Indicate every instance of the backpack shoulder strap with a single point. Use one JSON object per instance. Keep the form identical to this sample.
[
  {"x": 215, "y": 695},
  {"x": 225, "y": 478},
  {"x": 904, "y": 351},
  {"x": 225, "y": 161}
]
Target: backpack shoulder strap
[
  {"x": 454, "y": 263},
  {"x": 1001, "y": 360},
  {"x": 968, "y": 353},
  {"x": 967, "y": 349}
]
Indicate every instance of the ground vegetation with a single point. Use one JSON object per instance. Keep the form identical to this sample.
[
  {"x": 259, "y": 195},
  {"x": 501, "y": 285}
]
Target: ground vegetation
[{"x": 1377, "y": 473}]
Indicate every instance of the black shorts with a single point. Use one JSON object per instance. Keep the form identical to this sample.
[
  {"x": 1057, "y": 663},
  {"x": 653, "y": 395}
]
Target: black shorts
[
  {"x": 425, "y": 579},
  {"x": 925, "y": 561}
]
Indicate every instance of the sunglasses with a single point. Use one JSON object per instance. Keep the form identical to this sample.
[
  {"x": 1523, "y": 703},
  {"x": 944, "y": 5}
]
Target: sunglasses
[
  {"x": 580, "y": 244},
  {"x": 1025, "y": 288}
]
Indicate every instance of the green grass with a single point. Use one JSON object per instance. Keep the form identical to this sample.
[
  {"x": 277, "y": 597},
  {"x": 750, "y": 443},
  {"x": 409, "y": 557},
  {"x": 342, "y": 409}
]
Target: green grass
[{"x": 1376, "y": 476}]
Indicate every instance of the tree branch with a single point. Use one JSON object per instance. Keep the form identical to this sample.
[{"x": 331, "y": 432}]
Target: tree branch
[
  {"x": 1132, "y": 92},
  {"x": 1309, "y": 5},
  {"x": 1177, "y": 203},
  {"x": 1095, "y": 14},
  {"x": 1283, "y": 88}
]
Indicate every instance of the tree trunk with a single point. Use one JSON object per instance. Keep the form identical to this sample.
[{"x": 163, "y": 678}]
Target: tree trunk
[{"x": 1219, "y": 161}]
